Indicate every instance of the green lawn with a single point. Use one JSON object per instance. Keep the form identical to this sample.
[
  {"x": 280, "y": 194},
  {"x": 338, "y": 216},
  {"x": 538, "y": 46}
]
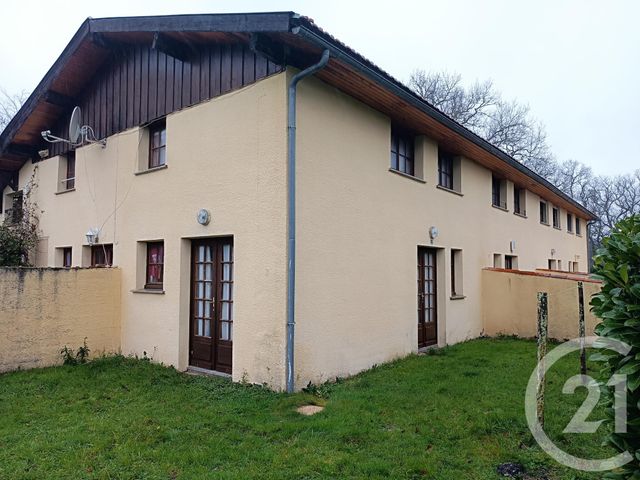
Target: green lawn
[{"x": 457, "y": 414}]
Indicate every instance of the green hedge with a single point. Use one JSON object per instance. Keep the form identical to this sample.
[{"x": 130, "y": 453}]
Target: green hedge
[{"x": 617, "y": 264}]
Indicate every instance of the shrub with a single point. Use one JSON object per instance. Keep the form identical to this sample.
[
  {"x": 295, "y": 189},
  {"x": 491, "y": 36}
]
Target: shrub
[
  {"x": 19, "y": 233},
  {"x": 70, "y": 357},
  {"x": 617, "y": 264}
]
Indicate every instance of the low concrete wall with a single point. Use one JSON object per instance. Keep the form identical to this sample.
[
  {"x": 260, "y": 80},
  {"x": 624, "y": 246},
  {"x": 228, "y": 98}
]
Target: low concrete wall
[
  {"x": 44, "y": 309},
  {"x": 509, "y": 303}
]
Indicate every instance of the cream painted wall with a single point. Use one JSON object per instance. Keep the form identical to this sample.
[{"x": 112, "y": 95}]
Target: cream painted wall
[
  {"x": 43, "y": 310},
  {"x": 510, "y": 304},
  {"x": 359, "y": 226},
  {"x": 227, "y": 155}
]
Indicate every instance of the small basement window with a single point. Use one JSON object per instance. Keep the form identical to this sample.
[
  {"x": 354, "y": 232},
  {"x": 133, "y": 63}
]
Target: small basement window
[
  {"x": 511, "y": 262},
  {"x": 402, "y": 152},
  {"x": 497, "y": 260},
  {"x": 67, "y": 258},
  {"x": 102, "y": 255},
  {"x": 552, "y": 264}
]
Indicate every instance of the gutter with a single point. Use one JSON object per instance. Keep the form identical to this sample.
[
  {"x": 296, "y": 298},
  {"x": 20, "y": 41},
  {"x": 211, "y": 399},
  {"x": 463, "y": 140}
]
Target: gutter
[
  {"x": 308, "y": 32},
  {"x": 291, "y": 214}
]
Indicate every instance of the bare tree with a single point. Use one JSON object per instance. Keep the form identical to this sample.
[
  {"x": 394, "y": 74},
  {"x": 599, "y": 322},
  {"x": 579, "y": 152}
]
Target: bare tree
[
  {"x": 511, "y": 127},
  {"x": 479, "y": 107},
  {"x": 9, "y": 105}
]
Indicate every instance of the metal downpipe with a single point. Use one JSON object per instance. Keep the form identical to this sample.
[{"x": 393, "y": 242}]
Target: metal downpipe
[{"x": 291, "y": 214}]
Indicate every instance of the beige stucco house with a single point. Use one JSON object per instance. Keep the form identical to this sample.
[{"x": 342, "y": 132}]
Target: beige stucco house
[{"x": 397, "y": 208}]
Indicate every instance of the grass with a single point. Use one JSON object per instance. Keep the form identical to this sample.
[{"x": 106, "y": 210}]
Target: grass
[{"x": 456, "y": 414}]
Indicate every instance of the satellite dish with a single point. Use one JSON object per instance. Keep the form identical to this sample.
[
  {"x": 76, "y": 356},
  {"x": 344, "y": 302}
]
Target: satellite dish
[
  {"x": 75, "y": 125},
  {"x": 78, "y": 133}
]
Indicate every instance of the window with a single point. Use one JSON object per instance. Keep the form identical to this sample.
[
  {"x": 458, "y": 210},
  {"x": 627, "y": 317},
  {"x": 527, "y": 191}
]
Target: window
[
  {"x": 510, "y": 262},
  {"x": 556, "y": 217},
  {"x": 569, "y": 223},
  {"x": 553, "y": 264},
  {"x": 155, "y": 265},
  {"x": 445, "y": 169},
  {"x": 15, "y": 202},
  {"x": 402, "y": 152},
  {"x": 544, "y": 213},
  {"x": 497, "y": 260},
  {"x": 497, "y": 192},
  {"x": 158, "y": 144},
  {"x": 456, "y": 273},
  {"x": 578, "y": 227},
  {"x": 102, "y": 255},
  {"x": 66, "y": 257},
  {"x": 70, "y": 180},
  {"x": 66, "y": 172},
  {"x": 576, "y": 267},
  {"x": 559, "y": 264},
  {"x": 519, "y": 201}
]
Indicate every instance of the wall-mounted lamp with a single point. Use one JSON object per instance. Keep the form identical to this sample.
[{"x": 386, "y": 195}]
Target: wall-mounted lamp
[
  {"x": 553, "y": 252},
  {"x": 92, "y": 236},
  {"x": 512, "y": 246},
  {"x": 433, "y": 233}
]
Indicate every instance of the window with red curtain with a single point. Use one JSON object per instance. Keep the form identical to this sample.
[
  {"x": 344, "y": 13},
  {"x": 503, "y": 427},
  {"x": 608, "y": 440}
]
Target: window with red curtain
[{"x": 155, "y": 265}]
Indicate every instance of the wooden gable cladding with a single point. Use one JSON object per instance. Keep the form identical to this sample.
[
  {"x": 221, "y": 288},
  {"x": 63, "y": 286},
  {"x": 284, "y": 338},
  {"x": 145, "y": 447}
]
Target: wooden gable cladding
[{"x": 139, "y": 84}]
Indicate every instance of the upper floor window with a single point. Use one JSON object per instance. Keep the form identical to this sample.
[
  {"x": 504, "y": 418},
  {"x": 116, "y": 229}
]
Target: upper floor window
[
  {"x": 445, "y": 169},
  {"x": 569, "y": 223},
  {"x": 102, "y": 255},
  {"x": 70, "y": 180},
  {"x": 578, "y": 227},
  {"x": 498, "y": 197},
  {"x": 544, "y": 212},
  {"x": 402, "y": 158},
  {"x": 556, "y": 217},
  {"x": 519, "y": 201},
  {"x": 155, "y": 265},
  {"x": 158, "y": 144}
]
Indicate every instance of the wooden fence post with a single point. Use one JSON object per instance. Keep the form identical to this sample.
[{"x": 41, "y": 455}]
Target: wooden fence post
[
  {"x": 543, "y": 330},
  {"x": 582, "y": 329}
]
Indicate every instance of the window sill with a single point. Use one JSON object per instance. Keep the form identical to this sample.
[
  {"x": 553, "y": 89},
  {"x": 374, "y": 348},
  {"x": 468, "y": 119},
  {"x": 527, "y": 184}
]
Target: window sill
[
  {"x": 557, "y": 228},
  {"x": 406, "y": 175},
  {"x": 569, "y": 232},
  {"x": 457, "y": 297},
  {"x": 546, "y": 224},
  {"x": 521, "y": 215},
  {"x": 500, "y": 208},
  {"x": 150, "y": 170},
  {"x": 455, "y": 192},
  {"x": 579, "y": 235},
  {"x": 152, "y": 291},
  {"x": 66, "y": 191}
]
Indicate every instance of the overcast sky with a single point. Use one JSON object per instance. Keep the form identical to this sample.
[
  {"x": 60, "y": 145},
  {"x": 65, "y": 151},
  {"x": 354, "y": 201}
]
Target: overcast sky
[{"x": 576, "y": 63}]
